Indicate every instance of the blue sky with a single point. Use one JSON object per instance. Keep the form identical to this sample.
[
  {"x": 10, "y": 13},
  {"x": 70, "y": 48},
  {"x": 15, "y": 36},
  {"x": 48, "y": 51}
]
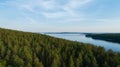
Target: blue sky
[{"x": 61, "y": 15}]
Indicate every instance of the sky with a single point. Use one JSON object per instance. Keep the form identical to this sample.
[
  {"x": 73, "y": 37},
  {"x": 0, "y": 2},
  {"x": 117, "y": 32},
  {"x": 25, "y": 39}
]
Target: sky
[{"x": 61, "y": 15}]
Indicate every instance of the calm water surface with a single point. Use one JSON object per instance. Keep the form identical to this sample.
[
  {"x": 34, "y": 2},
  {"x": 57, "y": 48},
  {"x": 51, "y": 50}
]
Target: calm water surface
[{"x": 84, "y": 39}]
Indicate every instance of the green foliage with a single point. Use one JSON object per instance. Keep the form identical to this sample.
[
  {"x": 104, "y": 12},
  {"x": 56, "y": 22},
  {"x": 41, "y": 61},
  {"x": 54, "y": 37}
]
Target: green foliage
[
  {"x": 24, "y": 49},
  {"x": 112, "y": 37}
]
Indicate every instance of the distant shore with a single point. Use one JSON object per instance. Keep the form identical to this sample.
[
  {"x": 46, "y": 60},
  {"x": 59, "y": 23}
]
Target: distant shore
[{"x": 111, "y": 37}]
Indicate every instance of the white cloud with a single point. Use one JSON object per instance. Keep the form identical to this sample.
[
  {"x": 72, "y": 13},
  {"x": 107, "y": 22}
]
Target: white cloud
[
  {"x": 54, "y": 15},
  {"x": 73, "y": 4},
  {"x": 77, "y": 3},
  {"x": 68, "y": 8},
  {"x": 51, "y": 8},
  {"x": 45, "y": 6},
  {"x": 49, "y": 5}
]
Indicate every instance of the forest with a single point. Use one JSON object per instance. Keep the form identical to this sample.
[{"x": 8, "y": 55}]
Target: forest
[
  {"x": 111, "y": 37},
  {"x": 26, "y": 49}
]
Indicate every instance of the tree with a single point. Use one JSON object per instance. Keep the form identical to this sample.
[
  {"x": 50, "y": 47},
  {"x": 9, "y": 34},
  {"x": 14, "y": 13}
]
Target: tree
[{"x": 71, "y": 62}]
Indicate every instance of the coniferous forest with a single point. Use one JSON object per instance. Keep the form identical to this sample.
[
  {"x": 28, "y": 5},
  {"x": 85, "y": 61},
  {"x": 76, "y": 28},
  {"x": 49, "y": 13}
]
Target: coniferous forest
[
  {"x": 25, "y": 49},
  {"x": 111, "y": 37}
]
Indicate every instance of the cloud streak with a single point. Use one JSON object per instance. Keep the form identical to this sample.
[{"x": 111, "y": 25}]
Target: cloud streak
[
  {"x": 63, "y": 13},
  {"x": 50, "y": 8}
]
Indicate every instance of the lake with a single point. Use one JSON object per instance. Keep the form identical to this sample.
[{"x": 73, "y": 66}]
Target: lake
[{"x": 82, "y": 38}]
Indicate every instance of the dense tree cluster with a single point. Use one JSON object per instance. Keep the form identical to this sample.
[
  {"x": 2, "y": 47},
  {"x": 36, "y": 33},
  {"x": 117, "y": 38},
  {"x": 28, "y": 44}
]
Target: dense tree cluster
[
  {"x": 24, "y": 49},
  {"x": 112, "y": 37}
]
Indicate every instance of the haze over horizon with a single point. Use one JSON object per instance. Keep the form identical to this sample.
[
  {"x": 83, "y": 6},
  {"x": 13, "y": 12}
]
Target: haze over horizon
[{"x": 61, "y": 15}]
